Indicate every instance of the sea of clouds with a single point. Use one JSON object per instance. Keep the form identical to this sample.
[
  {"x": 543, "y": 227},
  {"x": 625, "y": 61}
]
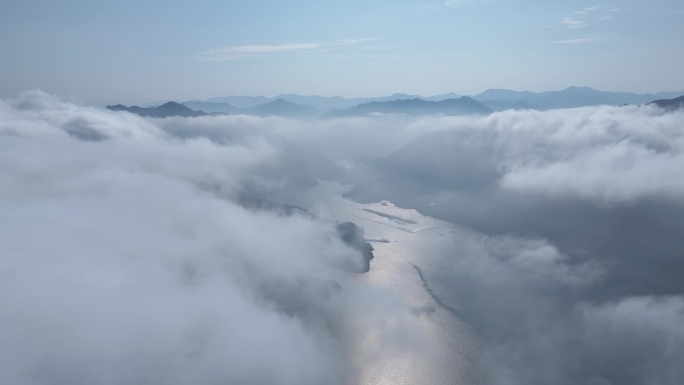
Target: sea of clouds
[
  {"x": 131, "y": 250},
  {"x": 125, "y": 258}
]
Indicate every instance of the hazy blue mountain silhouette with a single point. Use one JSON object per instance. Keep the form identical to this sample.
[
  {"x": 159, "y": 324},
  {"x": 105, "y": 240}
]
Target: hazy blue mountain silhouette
[
  {"x": 437, "y": 98},
  {"x": 323, "y": 103},
  {"x": 570, "y": 97},
  {"x": 218, "y": 107},
  {"x": 320, "y": 102},
  {"x": 499, "y": 105},
  {"x": 670, "y": 104},
  {"x": 277, "y": 107},
  {"x": 238, "y": 101},
  {"x": 333, "y": 102},
  {"x": 163, "y": 111},
  {"x": 246, "y": 102},
  {"x": 493, "y": 99},
  {"x": 416, "y": 106},
  {"x": 503, "y": 95},
  {"x": 281, "y": 107},
  {"x": 496, "y": 99}
]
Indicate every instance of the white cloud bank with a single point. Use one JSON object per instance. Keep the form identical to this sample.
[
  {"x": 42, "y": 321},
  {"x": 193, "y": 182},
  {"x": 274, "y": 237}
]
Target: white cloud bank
[
  {"x": 126, "y": 260},
  {"x": 605, "y": 154},
  {"x": 118, "y": 266}
]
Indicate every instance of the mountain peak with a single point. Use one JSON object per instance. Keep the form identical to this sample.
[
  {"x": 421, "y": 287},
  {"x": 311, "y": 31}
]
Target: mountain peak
[
  {"x": 279, "y": 101},
  {"x": 163, "y": 111},
  {"x": 579, "y": 89},
  {"x": 172, "y": 105},
  {"x": 282, "y": 107}
]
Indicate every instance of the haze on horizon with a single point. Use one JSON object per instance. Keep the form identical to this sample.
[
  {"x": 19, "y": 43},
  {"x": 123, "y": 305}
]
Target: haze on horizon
[{"x": 131, "y": 52}]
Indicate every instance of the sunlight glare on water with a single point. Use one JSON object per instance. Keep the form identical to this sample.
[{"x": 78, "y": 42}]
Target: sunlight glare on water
[{"x": 439, "y": 347}]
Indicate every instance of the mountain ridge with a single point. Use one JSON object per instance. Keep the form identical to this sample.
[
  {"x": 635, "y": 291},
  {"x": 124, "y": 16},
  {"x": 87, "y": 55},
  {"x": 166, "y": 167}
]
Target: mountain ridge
[
  {"x": 670, "y": 104},
  {"x": 498, "y": 98},
  {"x": 165, "y": 110},
  {"x": 416, "y": 106},
  {"x": 570, "y": 97},
  {"x": 484, "y": 103},
  {"x": 277, "y": 107}
]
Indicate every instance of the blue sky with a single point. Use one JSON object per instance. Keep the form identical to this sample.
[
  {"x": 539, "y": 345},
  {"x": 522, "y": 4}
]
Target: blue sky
[{"x": 135, "y": 52}]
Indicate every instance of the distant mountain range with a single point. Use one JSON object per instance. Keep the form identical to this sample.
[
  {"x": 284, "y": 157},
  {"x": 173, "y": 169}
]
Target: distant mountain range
[
  {"x": 570, "y": 97},
  {"x": 163, "y": 111},
  {"x": 494, "y": 99},
  {"x": 445, "y": 104},
  {"x": 277, "y": 107},
  {"x": 324, "y": 103},
  {"x": 461, "y": 106}
]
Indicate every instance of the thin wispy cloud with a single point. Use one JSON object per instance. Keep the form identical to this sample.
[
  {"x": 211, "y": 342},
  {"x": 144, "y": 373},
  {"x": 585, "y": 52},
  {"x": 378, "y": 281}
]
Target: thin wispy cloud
[
  {"x": 246, "y": 51},
  {"x": 582, "y": 40},
  {"x": 571, "y": 22},
  {"x": 467, "y": 3},
  {"x": 590, "y": 9}
]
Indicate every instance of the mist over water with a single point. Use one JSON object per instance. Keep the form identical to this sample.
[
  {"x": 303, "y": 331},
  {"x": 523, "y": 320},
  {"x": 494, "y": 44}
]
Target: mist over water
[{"x": 132, "y": 250}]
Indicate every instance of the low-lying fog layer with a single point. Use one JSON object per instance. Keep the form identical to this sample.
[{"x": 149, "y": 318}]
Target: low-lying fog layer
[{"x": 132, "y": 252}]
